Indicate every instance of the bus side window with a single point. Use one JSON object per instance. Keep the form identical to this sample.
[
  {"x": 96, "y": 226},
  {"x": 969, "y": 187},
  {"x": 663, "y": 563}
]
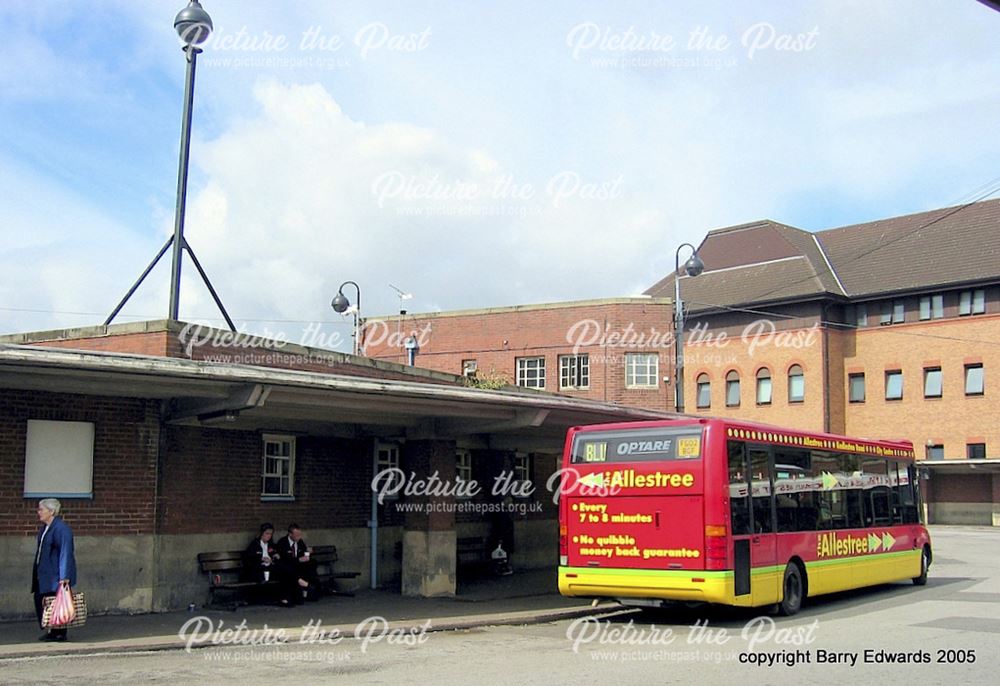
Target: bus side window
[
  {"x": 760, "y": 474},
  {"x": 739, "y": 492},
  {"x": 850, "y": 467},
  {"x": 855, "y": 515}
]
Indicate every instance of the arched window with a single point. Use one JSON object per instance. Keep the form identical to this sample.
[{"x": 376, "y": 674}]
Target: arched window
[
  {"x": 733, "y": 389},
  {"x": 796, "y": 384},
  {"x": 704, "y": 386},
  {"x": 763, "y": 386}
]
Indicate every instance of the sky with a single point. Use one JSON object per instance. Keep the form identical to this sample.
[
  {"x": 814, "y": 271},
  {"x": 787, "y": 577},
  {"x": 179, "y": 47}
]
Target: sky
[{"x": 471, "y": 154}]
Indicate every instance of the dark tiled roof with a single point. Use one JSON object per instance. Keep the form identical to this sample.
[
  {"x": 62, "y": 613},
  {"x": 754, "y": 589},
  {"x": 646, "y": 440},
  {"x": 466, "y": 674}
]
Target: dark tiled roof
[
  {"x": 766, "y": 261},
  {"x": 763, "y": 261},
  {"x": 946, "y": 246}
]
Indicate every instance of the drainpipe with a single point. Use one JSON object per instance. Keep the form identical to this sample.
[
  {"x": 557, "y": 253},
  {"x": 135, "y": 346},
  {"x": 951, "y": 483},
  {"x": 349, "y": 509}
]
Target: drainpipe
[
  {"x": 373, "y": 522},
  {"x": 826, "y": 367}
]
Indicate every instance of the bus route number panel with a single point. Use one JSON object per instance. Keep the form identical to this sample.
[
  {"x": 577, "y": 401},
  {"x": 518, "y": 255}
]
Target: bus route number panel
[{"x": 644, "y": 532}]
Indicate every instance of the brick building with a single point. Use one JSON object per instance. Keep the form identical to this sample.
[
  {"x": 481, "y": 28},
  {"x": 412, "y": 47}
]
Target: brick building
[
  {"x": 887, "y": 329},
  {"x": 162, "y": 443},
  {"x": 616, "y": 350}
]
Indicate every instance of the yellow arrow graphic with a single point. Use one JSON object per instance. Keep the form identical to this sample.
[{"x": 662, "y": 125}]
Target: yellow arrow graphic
[
  {"x": 596, "y": 479},
  {"x": 888, "y": 541},
  {"x": 829, "y": 481},
  {"x": 874, "y": 543}
]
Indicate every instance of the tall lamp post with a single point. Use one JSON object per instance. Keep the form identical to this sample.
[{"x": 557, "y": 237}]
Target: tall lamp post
[
  {"x": 194, "y": 26},
  {"x": 693, "y": 267},
  {"x": 341, "y": 304}
]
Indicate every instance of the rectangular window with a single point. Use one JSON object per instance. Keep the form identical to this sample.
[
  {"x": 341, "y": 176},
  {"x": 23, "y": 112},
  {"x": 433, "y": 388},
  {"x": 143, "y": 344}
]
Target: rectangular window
[
  {"x": 59, "y": 459},
  {"x": 764, "y": 390},
  {"x": 574, "y": 371},
  {"x": 704, "y": 388},
  {"x": 974, "y": 379},
  {"x": 975, "y": 451},
  {"x": 463, "y": 468},
  {"x": 861, "y": 314},
  {"x": 531, "y": 372},
  {"x": 978, "y": 301},
  {"x": 796, "y": 387},
  {"x": 739, "y": 491},
  {"x": 893, "y": 312},
  {"x": 733, "y": 393},
  {"x": 278, "y": 468},
  {"x": 760, "y": 491},
  {"x": 522, "y": 469},
  {"x": 932, "y": 382},
  {"x": 935, "y": 452},
  {"x": 386, "y": 458},
  {"x": 894, "y": 385},
  {"x": 856, "y": 387},
  {"x": 641, "y": 370},
  {"x": 972, "y": 302},
  {"x": 463, "y": 465},
  {"x": 932, "y": 306},
  {"x": 470, "y": 368}
]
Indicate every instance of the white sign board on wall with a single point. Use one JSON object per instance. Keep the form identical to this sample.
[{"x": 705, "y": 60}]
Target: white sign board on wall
[{"x": 59, "y": 459}]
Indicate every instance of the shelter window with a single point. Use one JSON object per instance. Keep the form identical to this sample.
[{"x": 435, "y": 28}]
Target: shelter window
[{"x": 278, "y": 469}]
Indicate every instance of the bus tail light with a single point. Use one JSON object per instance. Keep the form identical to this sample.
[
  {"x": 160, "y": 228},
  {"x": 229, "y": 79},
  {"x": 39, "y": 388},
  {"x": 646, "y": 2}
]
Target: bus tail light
[
  {"x": 715, "y": 546},
  {"x": 563, "y": 544}
]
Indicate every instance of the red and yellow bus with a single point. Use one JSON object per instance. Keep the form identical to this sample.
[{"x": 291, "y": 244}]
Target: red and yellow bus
[{"x": 734, "y": 513}]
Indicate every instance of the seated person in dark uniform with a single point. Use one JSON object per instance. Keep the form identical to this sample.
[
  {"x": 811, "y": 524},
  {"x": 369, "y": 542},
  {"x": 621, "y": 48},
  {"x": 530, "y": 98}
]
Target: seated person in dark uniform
[
  {"x": 297, "y": 571},
  {"x": 260, "y": 556}
]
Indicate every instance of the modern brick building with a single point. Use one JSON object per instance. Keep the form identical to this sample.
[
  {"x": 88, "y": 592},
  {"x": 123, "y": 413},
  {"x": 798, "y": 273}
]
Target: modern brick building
[
  {"x": 888, "y": 329},
  {"x": 163, "y": 442}
]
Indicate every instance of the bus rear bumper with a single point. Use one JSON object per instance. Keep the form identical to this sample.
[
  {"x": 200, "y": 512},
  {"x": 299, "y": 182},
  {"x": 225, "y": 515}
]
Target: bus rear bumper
[{"x": 683, "y": 585}]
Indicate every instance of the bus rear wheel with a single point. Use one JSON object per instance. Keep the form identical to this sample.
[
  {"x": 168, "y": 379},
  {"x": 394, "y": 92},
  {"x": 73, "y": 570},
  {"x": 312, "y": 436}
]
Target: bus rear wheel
[
  {"x": 925, "y": 563},
  {"x": 791, "y": 586}
]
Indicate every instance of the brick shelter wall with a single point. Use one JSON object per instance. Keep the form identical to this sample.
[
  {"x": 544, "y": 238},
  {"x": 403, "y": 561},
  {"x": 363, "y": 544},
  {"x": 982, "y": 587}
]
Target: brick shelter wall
[
  {"x": 126, "y": 433},
  {"x": 332, "y": 478}
]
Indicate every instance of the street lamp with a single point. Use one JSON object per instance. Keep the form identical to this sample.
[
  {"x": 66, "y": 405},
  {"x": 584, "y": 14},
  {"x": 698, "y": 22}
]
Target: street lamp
[
  {"x": 693, "y": 267},
  {"x": 194, "y": 26},
  {"x": 341, "y": 305}
]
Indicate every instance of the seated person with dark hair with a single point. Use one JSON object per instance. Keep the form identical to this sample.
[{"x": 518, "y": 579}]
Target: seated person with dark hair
[
  {"x": 260, "y": 559},
  {"x": 297, "y": 569},
  {"x": 260, "y": 556}
]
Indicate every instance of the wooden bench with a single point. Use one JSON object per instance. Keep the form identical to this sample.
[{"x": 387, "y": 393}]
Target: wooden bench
[
  {"x": 224, "y": 570},
  {"x": 325, "y": 557}
]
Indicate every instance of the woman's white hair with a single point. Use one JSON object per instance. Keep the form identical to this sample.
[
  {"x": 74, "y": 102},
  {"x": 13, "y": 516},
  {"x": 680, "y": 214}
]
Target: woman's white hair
[{"x": 52, "y": 505}]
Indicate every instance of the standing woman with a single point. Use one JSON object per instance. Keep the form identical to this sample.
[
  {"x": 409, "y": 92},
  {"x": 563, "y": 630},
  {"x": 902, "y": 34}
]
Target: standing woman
[{"x": 55, "y": 564}]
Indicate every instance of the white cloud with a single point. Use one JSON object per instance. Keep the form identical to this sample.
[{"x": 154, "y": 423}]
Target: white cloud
[{"x": 292, "y": 208}]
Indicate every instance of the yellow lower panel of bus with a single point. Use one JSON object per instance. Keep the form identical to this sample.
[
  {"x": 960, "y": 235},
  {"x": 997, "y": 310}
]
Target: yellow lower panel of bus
[
  {"x": 830, "y": 576},
  {"x": 713, "y": 587},
  {"x": 689, "y": 585}
]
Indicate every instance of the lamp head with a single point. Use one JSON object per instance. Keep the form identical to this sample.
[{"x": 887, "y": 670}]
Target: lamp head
[
  {"x": 340, "y": 303},
  {"x": 193, "y": 24},
  {"x": 694, "y": 266}
]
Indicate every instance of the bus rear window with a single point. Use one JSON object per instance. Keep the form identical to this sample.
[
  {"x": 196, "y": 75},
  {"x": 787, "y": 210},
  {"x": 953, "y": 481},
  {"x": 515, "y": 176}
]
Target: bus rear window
[{"x": 644, "y": 445}]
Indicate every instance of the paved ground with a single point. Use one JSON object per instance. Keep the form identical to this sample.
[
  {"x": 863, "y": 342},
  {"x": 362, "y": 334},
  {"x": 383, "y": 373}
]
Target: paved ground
[
  {"x": 949, "y": 623},
  {"x": 526, "y": 596}
]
